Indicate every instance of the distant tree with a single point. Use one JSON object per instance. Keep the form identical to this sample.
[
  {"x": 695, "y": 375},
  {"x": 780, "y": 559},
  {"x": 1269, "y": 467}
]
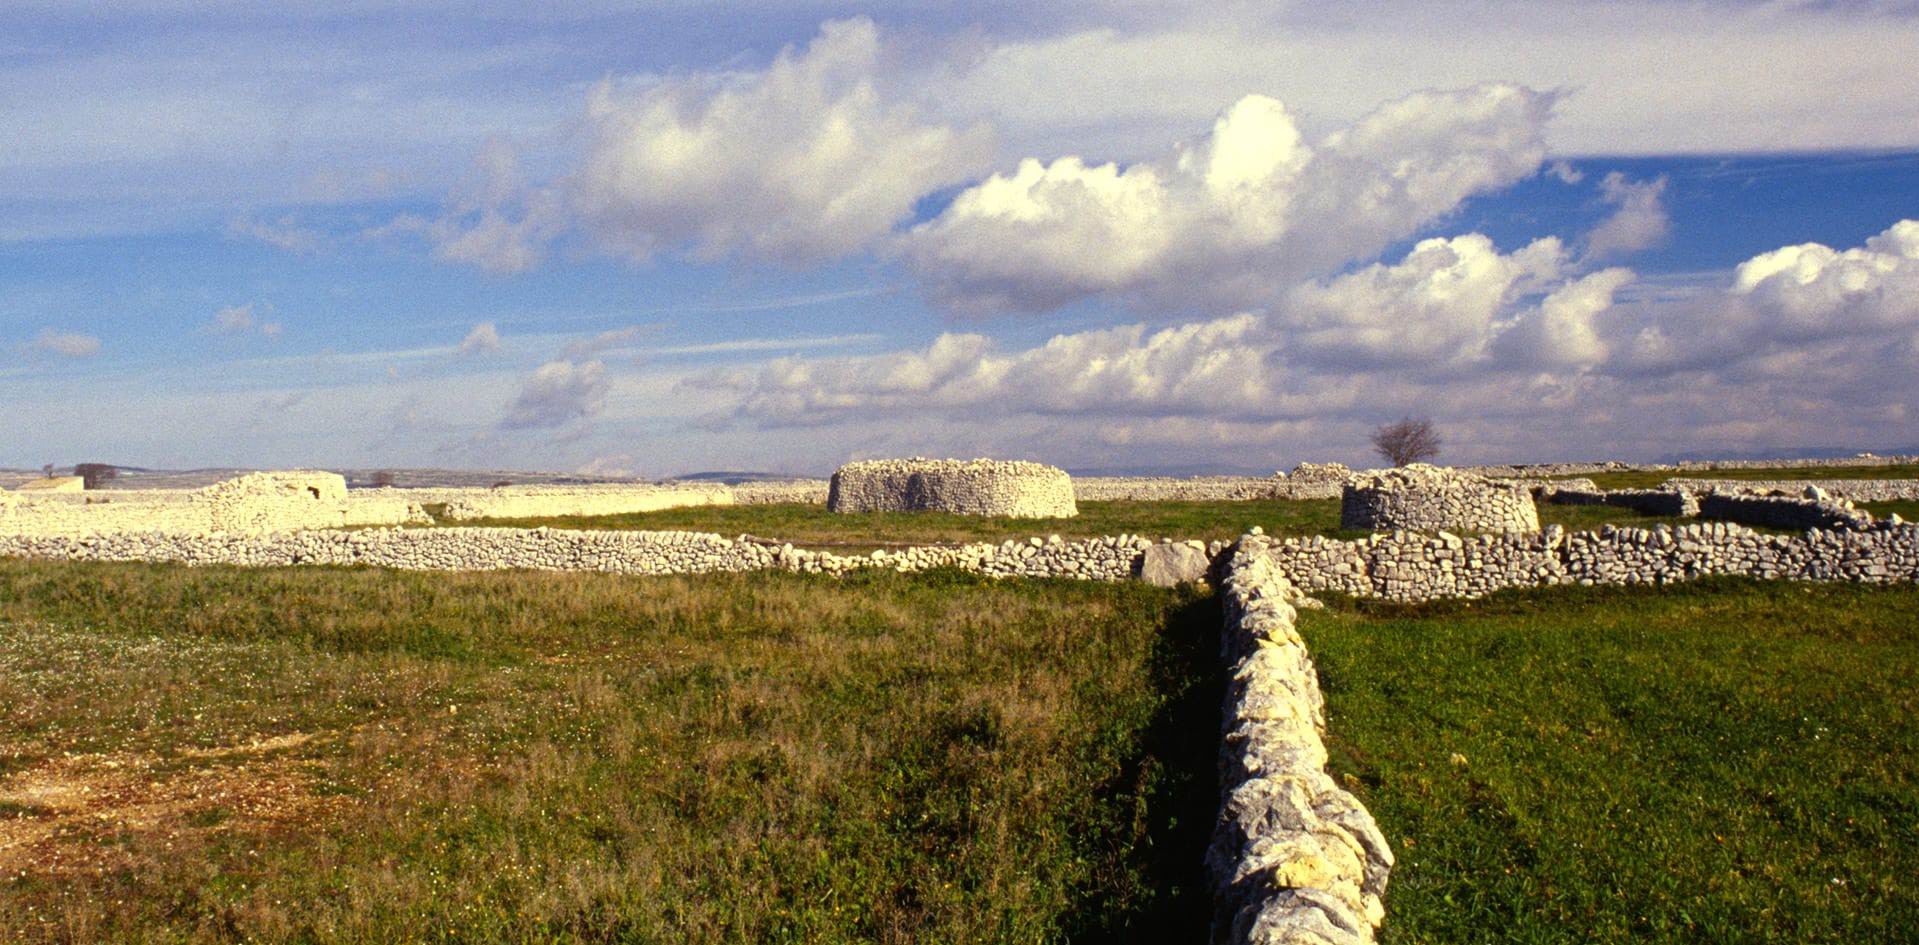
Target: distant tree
[
  {"x": 1410, "y": 440},
  {"x": 382, "y": 479},
  {"x": 96, "y": 474},
  {"x": 48, "y": 469}
]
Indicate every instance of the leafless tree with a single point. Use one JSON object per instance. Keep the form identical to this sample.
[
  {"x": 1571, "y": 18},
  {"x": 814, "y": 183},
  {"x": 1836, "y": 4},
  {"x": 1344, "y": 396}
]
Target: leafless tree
[
  {"x": 1408, "y": 441},
  {"x": 382, "y": 479},
  {"x": 96, "y": 474}
]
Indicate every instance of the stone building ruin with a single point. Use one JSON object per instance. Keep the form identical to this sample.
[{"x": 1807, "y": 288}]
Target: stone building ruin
[
  {"x": 1014, "y": 489},
  {"x": 1426, "y": 498}
]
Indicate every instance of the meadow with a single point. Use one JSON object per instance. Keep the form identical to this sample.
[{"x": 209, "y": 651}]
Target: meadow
[
  {"x": 812, "y": 526},
  {"x": 1727, "y": 761},
  {"x": 352, "y": 755}
]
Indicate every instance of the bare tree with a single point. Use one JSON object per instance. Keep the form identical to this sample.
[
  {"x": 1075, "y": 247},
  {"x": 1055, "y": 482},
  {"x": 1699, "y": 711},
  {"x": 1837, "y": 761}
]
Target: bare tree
[
  {"x": 382, "y": 479},
  {"x": 1408, "y": 441},
  {"x": 96, "y": 474}
]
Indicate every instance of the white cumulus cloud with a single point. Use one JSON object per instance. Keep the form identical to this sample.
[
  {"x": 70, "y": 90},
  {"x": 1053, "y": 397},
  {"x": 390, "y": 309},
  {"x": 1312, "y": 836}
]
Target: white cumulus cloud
[
  {"x": 802, "y": 161},
  {"x": 243, "y": 320},
  {"x": 1228, "y": 218},
  {"x": 1638, "y": 222}
]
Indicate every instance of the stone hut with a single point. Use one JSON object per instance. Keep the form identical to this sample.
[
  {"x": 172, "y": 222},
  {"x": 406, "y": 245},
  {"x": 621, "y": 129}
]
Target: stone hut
[
  {"x": 969, "y": 487},
  {"x": 275, "y": 501},
  {"x": 1430, "y": 498}
]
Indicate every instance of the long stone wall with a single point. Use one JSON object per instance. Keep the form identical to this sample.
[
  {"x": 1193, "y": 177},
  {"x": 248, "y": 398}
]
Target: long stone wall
[
  {"x": 1858, "y": 490},
  {"x": 969, "y": 487},
  {"x": 563, "y": 501},
  {"x": 1813, "y": 510},
  {"x": 1672, "y": 502},
  {"x": 1109, "y": 558},
  {"x": 1294, "y": 857},
  {"x": 1407, "y": 566}
]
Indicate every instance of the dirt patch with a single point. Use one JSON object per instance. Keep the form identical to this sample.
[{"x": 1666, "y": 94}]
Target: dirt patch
[{"x": 88, "y": 813}]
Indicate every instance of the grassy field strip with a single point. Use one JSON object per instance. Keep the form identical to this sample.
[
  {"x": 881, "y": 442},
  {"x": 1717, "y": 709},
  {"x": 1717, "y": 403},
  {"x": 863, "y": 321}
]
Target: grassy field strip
[
  {"x": 355, "y": 755},
  {"x": 1725, "y": 761},
  {"x": 1650, "y": 479},
  {"x": 812, "y": 526}
]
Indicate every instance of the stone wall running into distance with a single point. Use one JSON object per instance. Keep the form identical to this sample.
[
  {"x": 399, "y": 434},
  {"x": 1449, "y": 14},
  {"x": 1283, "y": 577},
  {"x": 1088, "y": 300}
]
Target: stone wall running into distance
[
  {"x": 253, "y": 503},
  {"x": 1294, "y": 858},
  {"x": 1008, "y": 488},
  {"x": 1858, "y": 490},
  {"x": 562, "y": 501},
  {"x": 1430, "y": 498}
]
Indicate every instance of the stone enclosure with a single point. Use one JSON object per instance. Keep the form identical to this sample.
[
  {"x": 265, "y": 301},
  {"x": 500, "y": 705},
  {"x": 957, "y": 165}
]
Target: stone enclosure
[
  {"x": 1294, "y": 857},
  {"x": 1428, "y": 498},
  {"x": 1012, "y": 489}
]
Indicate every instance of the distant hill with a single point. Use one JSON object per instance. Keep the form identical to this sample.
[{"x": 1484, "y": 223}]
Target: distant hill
[{"x": 735, "y": 477}]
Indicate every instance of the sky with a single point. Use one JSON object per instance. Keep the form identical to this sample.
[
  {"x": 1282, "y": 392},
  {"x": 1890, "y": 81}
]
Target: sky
[{"x": 654, "y": 238}]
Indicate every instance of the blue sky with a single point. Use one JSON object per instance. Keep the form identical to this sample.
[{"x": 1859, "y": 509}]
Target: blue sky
[{"x": 651, "y": 239}]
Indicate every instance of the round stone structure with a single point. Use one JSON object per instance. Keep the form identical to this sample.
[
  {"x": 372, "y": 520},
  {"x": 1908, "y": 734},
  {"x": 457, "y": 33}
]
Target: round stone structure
[
  {"x": 1014, "y": 489},
  {"x": 1428, "y": 498}
]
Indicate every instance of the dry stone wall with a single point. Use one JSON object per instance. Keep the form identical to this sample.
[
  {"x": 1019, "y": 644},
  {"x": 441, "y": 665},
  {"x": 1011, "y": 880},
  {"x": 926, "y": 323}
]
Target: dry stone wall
[
  {"x": 1109, "y": 558},
  {"x": 257, "y": 502},
  {"x": 1407, "y": 566},
  {"x": 1294, "y": 857},
  {"x": 561, "y": 501},
  {"x": 1432, "y": 498},
  {"x": 1858, "y": 490},
  {"x": 977, "y": 487}
]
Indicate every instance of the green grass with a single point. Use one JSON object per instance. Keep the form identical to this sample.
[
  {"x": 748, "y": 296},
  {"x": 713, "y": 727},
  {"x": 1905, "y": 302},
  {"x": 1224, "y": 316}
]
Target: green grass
[
  {"x": 1907, "y": 509},
  {"x": 812, "y": 526},
  {"x": 350, "y": 755},
  {"x": 1652, "y": 480},
  {"x": 1718, "y": 762}
]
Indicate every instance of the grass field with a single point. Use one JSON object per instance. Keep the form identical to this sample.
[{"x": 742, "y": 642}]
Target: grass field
[
  {"x": 1908, "y": 510},
  {"x": 347, "y": 755},
  {"x": 1652, "y": 480},
  {"x": 812, "y": 526},
  {"x": 1717, "y": 762}
]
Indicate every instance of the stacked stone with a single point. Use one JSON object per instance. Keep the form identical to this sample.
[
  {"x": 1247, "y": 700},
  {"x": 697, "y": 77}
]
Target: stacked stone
[
  {"x": 1858, "y": 490},
  {"x": 1410, "y": 567},
  {"x": 1429, "y": 498},
  {"x": 541, "y": 501},
  {"x": 977, "y": 487},
  {"x": 1294, "y": 857},
  {"x": 1812, "y": 509},
  {"x": 766, "y": 492}
]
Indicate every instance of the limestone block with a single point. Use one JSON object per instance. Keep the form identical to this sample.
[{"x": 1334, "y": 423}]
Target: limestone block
[{"x": 1168, "y": 564}]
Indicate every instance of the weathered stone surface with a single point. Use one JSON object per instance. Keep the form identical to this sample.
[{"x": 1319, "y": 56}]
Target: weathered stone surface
[
  {"x": 973, "y": 487},
  {"x": 1171, "y": 563},
  {"x": 1429, "y": 498}
]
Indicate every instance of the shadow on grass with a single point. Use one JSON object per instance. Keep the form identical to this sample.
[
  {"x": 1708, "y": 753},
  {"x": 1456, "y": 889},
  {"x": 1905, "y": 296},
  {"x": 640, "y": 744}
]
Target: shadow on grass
[{"x": 1170, "y": 784}]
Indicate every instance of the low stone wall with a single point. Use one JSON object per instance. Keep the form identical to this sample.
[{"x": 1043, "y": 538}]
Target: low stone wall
[
  {"x": 809, "y": 491},
  {"x": 1430, "y": 498},
  {"x": 1199, "y": 489},
  {"x": 561, "y": 501},
  {"x": 1814, "y": 510},
  {"x": 1109, "y": 558},
  {"x": 1294, "y": 857},
  {"x": 56, "y": 484},
  {"x": 1858, "y": 490},
  {"x": 1405, "y": 566},
  {"x": 1645, "y": 501},
  {"x": 977, "y": 487}
]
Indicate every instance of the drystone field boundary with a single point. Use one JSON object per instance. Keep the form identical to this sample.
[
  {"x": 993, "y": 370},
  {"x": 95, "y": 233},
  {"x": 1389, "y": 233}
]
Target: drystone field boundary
[
  {"x": 1294, "y": 857},
  {"x": 968, "y": 487},
  {"x": 1858, "y": 490}
]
